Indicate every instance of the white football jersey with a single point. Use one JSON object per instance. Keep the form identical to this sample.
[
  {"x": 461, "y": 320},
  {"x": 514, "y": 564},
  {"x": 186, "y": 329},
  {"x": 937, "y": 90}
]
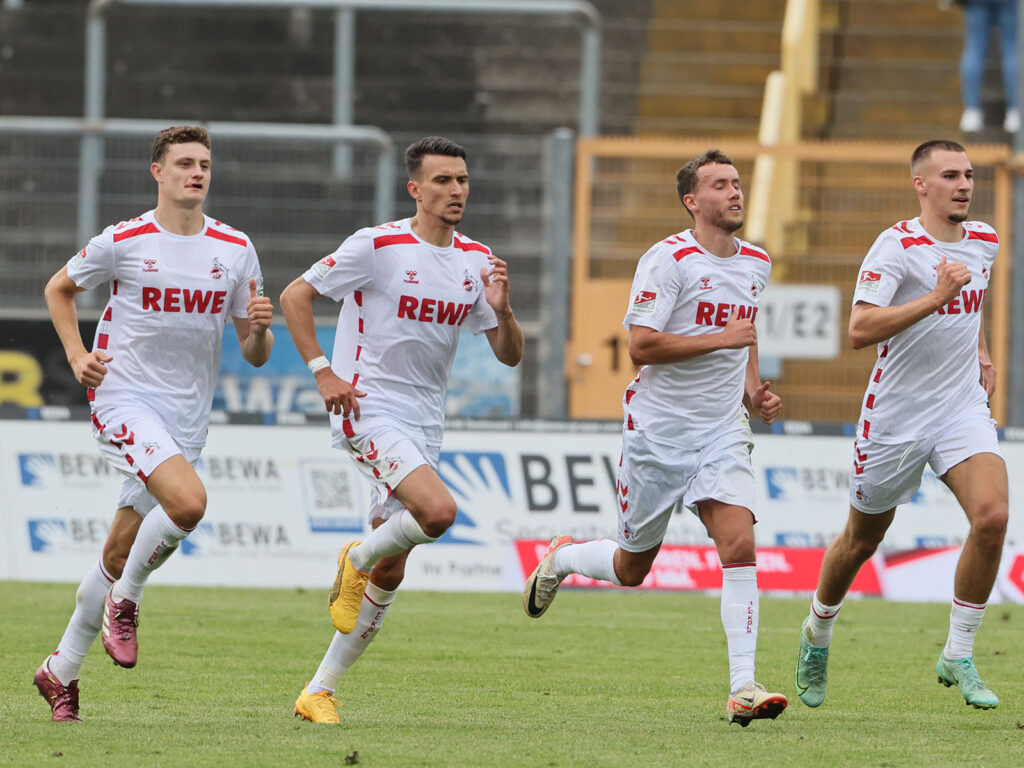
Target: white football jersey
[
  {"x": 929, "y": 372},
  {"x": 170, "y": 297},
  {"x": 405, "y": 301},
  {"x": 681, "y": 288}
]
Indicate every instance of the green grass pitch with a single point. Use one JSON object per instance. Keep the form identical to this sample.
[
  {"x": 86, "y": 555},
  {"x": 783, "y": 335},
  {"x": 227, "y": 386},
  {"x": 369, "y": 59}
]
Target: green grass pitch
[{"x": 617, "y": 678}]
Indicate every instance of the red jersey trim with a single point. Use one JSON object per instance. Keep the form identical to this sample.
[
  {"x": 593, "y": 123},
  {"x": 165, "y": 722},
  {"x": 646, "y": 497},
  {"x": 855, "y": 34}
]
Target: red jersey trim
[
  {"x": 145, "y": 229},
  {"x": 210, "y": 232},
  {"x": 908, "y": 242},
  {"x": 989, "y": 237},
  {"x": 683, "y": 252},
  {"x": 464, "y": 246},
  {"x": 757, "y": 253},
  {"x": 385, "y": 240}
]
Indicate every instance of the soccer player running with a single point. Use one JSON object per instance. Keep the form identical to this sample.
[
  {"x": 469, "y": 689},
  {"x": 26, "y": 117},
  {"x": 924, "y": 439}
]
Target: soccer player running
[
  {"x": 919, "y": 299},
  {"x": 686, "y": 438},
  {"x": 175, "y": 277},
  {"x": 408, "y": 287}
]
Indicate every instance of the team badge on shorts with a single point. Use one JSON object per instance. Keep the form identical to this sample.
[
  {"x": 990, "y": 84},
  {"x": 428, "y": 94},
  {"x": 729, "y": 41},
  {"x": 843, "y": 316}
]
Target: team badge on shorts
[
  {"x": 644, "y": 303},
  {"x": 394, "y": 462}
]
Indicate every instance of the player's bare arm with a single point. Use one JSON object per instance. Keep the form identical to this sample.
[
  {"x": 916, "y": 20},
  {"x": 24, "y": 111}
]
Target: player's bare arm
[
  {"x": 870, "y": 324},
  {"x": 340, "y": 397},
  {"x": 650, "y": 347},
  {"x": 507, "y": 339},
  {"x": 767, "y": 404},
  {"x": 254, "y": 334},
  {"x": 988, "y": 371},
  {"x": 89, "y": 367}
]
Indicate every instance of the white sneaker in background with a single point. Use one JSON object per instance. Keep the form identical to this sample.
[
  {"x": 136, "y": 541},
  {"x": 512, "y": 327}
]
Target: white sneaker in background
[{"x": 972, "y": 121}]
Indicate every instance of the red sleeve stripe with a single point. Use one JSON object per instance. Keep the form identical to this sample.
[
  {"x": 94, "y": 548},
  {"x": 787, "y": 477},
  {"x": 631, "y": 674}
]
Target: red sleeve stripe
[
  {"x": 464, "y": 246},
  {"x": 385, "y": 240},
  {"x": 217, "y": 235},
  {"x": 747, "y": 250},
  {"x": 145, "y": 229},
  {"x": 678, "y": 255},
  {"x": 990, "y": 237}
]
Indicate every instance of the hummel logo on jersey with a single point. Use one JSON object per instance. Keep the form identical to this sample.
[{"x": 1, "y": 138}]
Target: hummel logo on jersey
[
  {"x": 150, "y": 265},
  {"x": 410, "y": 276},
  {"x": 705, "y": 283},
  {"x": 432, "y": 310}
]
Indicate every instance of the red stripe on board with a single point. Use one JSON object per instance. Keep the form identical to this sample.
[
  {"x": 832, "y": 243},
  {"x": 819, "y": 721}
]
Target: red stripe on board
[
  {"x": 145, "y": 229},
  {"x": 385, "y": 240},
  {"x": 216, "y": 235}
]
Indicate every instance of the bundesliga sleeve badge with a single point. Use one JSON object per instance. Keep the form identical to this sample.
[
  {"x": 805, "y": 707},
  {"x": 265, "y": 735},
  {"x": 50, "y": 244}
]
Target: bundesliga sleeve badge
[
  {"x": 869, "y": 281},
  {"x": 644, "y": 303}
]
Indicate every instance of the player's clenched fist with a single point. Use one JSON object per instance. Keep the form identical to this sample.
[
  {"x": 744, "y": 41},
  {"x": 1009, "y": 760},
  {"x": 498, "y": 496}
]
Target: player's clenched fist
[
  {"x": 340, "y": 397},
  {"x": 738, "y": 332},
  {"x": 260, "y": 309},
  {"x": 950, "y": 277},
  {"x": 90, "y": 368}
]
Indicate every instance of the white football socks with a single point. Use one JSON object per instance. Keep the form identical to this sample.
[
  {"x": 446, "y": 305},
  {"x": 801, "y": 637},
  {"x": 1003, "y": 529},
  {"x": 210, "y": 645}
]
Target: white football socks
[
  {"x": 740, "y": 614},
  {"x": 156, "y": 540},
  {"x": 345, "y": 649},
  {"x": 395, "y": 535},
  {"x": 84, "y": 625},
  {"x": 964, "y": 621},
  {"x": 593, "y": 559},
  {"x": 823, "y": 618}
]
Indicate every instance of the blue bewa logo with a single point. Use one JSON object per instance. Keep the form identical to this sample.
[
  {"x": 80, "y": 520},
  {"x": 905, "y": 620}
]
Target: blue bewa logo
[
  {"x": 37, "y": 468},
  {"x": 479, "y": 483},
  {"x": 46, "y": 534}
]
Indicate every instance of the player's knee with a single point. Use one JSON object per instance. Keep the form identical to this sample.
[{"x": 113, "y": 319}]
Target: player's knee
[
  {"x": 632, "y": 574},
  {"x": 990, "y": 523},
  {"x": 862, "y": 546},
  {"x": 438, "y": 518},
  {"x": 188, "y": 510}
]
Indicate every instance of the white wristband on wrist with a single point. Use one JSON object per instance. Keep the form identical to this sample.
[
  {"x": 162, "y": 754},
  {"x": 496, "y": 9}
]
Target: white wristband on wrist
[{"x": 318, "y": 364}]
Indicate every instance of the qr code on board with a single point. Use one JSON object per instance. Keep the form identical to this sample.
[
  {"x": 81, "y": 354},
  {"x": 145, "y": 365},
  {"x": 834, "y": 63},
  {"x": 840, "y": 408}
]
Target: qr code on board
[{"x": 330, "y": 489}]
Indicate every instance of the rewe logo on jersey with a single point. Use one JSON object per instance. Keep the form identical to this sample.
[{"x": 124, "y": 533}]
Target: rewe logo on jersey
[
  {"x": 709, "y": 313},
  {"x": 183, "y": 300},
  {"x": 432, "y": 310},
  {"x": 967, "y": 303}
]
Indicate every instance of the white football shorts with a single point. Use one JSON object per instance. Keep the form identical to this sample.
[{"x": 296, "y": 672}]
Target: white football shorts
[
  {"x": 887, "y": 475},
  {"x": 135, "y": 442},
  {"x": 385, "y": 452},
  {"x": 656, "y": 479}
]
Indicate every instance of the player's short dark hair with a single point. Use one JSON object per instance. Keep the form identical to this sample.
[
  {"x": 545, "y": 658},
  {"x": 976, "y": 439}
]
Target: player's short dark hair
[
  {"x": 430, "y": 145},
  {"x": 924, "y": 151},
  {"x": 686, "y": 178},
  {"x": 178, "y": 134}
]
